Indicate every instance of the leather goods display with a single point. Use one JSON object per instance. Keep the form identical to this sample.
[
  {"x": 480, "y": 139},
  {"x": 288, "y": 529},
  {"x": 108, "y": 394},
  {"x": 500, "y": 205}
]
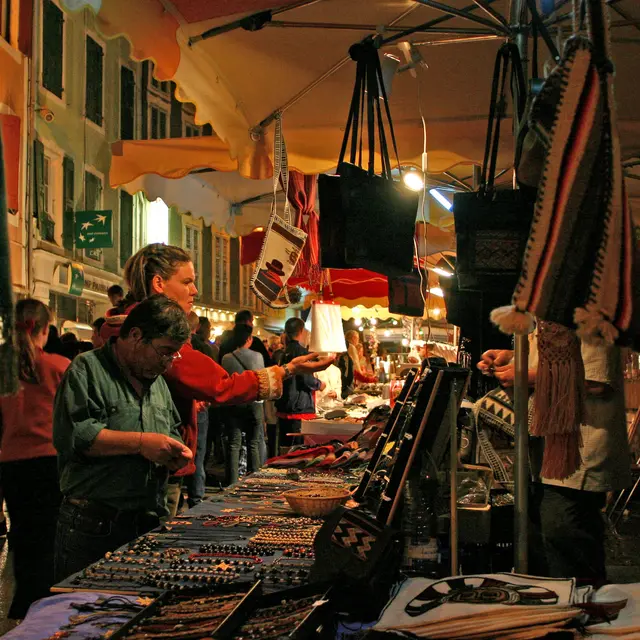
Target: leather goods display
[
  {"x": 367, "y": 220},
  {"x": 492, "y": 226}
]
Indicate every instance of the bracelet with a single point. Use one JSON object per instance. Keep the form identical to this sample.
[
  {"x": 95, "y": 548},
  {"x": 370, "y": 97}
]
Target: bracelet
[{"x": 288, "y": 372}]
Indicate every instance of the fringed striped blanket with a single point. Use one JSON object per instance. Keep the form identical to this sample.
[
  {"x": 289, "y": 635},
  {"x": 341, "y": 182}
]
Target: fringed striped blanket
[{"x": 578, "y": 260}]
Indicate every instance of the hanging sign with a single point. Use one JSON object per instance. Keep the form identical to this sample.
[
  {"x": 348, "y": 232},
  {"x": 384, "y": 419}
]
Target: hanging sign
[
  {"x": 94, "y": 229},
  {"x": 76, "y": 278}
]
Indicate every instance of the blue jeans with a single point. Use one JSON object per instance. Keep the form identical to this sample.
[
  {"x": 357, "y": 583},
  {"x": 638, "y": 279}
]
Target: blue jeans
[
  {"x": 195, "y": 483},
  {"x": 248, "y": 419}
]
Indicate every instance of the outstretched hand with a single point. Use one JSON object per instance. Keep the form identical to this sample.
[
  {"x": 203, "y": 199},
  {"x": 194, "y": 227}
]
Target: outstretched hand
[{"x": 311, "y": 363}]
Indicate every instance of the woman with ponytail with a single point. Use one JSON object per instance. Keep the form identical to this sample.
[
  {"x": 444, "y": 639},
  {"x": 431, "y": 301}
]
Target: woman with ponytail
[
  {"x": 28, "y": 462},
  {"x": 168, "y": 270}
]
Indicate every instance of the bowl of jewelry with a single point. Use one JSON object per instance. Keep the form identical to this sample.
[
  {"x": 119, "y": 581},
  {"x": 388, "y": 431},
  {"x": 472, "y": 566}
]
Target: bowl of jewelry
[{"x": 316, "y": 501}]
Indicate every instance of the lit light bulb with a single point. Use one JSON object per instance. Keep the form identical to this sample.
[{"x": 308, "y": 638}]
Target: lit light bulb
[
  {"x": 442, "y": 272},
  {"x": 436, "y": 291},
  {"x": 360, "y": 328},
  {"x": 357, "y": 322},
  {"x": 395, "y": 323},
  {"x": 436, "y": 312},
  {"x": 387, "y": 333},
  {"x": 413, "y": 181},
  {"x": 405, "y": 342},
  {"x": 374, "y": 321}
]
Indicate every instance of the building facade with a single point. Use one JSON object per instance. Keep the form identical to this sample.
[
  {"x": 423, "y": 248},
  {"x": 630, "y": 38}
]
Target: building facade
[{"x": 87, "y": 93}]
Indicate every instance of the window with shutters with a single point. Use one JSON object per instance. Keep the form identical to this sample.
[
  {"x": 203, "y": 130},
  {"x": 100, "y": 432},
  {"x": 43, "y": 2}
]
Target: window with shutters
[
  {"x": 191, "y": 131},
  {"x": 247, "y": 299},
  {"x": 158, "y": 123},
  {"x": 47, "y": 162},
  {"x": 126, "y": 227},
  {"x": 93, "y": 202},
  {"x": 127, "y": 104},
  {"x": 158, "y": 86},
  {"x": 52, "y": 47},
  {"x": 193, "y": 246},
  {"x": 5, "y": 19},
  {"x": 68, "y": 197},
  {"x": 221, "y": 292},
  {"x": 94, "y": 81}
]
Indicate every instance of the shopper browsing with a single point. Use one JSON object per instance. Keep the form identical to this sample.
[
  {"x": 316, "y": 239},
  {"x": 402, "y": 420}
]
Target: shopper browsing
[
  {"x": 246, "y": 418},
  {"x": 28, "y": 458},
  {"x": 116, "y": 431},
  {"x": 296, "y": 403}
]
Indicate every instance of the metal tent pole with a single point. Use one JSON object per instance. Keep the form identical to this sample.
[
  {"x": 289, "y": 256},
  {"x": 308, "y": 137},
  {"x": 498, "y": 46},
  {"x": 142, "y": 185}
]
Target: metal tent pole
[{"x": 521, "y": 383}]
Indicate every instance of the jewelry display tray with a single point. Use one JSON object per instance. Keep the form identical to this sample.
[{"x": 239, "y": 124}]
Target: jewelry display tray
[{"x": 254, "y": 599}]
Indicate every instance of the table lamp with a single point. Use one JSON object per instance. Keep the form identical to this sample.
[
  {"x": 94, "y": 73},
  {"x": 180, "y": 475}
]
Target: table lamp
[{"x": 327, "y": 334}]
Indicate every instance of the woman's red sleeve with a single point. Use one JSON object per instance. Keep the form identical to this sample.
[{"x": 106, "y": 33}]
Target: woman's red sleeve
[{"x": 198, "y": 377}]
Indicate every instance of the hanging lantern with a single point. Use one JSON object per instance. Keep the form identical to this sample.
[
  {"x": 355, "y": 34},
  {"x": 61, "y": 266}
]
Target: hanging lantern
[{"x": 327, "y": 335}]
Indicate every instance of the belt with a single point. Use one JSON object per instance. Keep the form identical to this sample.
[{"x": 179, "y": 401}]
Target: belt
[{"x": 101, "y": 510}]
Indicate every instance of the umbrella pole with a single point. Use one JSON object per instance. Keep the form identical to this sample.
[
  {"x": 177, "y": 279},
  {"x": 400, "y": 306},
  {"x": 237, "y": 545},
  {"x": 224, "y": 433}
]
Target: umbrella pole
[{"x": 521, "y": 382}]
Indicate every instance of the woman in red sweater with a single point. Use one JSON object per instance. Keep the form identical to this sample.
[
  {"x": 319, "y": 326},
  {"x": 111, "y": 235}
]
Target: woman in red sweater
[
  {"x": 28, "y": 462},
  {"x": 165, "y": 269}
]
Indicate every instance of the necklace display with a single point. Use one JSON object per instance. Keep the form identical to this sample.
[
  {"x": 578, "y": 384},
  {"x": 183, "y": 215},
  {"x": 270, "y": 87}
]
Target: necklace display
[
  {"x": 285, "y": 538},
  {"x": 190, "y": 619}
]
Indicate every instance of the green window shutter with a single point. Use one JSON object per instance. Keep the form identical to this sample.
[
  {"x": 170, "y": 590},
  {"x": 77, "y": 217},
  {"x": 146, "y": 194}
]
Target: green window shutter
[
  {"x": 126, "y": 226},
  {"x": 207, "y": 265},
  {"x": 93, "y": 81},
  {"x": 69, "y": 202},
  {"x": 52, "y": 47},
  {"x": 127, "y": 104}
]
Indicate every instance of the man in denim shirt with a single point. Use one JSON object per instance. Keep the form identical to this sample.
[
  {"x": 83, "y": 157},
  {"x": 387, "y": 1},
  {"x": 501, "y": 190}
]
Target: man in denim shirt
[{"x": 115, "y": 428}]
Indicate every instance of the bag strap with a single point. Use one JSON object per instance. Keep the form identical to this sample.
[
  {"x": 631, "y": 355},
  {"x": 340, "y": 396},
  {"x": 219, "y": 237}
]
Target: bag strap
[
  {"x": 242, "y": 364},
  {"x": 541, "y": 28},
  {"x": 385, "y": 99},
  {"x": 507, "y": 53}
]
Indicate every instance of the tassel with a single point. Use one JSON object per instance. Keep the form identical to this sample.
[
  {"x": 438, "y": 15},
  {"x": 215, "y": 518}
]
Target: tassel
[
  {"x": 561, "y": 456},
  {"x": 594, "y": 328},
  {"x": 509, "y": 320},
  {"x": 560, "y": 397}
]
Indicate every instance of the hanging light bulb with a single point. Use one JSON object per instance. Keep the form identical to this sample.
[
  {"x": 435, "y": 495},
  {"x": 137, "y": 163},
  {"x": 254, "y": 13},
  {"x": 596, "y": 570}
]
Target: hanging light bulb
[
  {"x": 394, "y": 322},
  {"x": 413, "y": 180},
  {"x": 360, "y": 328},
  {"x": 357, "y": 322},
  {"x": 436, "y": 312},
  {"x": 374, "y": 321},
  {"x": 405, "y": 342},
  {"x": 387, "y": 333}
]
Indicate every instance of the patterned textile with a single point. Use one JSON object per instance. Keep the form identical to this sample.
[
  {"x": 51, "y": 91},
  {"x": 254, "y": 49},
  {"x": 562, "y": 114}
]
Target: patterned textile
[{"x": 581, "y": 209}]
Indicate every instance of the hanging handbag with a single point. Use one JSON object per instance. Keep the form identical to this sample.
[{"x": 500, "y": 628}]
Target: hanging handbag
[
  {"x": 492, "y": 226},
  {"x": 367, "y": 221},
  {"x": 407, "y": 295}
]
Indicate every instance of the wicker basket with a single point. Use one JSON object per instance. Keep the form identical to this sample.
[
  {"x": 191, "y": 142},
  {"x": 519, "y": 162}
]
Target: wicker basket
[{"x": 316, "y": 502}]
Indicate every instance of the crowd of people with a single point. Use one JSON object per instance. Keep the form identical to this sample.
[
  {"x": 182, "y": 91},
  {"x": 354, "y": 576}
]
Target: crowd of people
[{"x": 100, "y": 438}]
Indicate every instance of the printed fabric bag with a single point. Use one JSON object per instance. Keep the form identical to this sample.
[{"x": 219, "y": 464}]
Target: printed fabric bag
[{"x": 492, "y": 226}]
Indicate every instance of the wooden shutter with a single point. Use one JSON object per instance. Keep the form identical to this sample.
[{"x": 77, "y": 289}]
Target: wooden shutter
[
  {"x": 207, "y": 264},
  {"x": 126, "y": 226},
  {"x": 93, "y": 94},
  {"x": 93, "y": 190},
  {"x": 52, "y": 47},
  {"x": 234, "y": 275},
  {"x": 127, "y": 104},
  {"x": 68, "y": 187}
]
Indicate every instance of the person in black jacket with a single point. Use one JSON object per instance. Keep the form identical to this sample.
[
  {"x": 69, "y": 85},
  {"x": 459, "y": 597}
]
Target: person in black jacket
[
  {"x": 227, "y": 346},
  {"x": 296, "y": 403}
]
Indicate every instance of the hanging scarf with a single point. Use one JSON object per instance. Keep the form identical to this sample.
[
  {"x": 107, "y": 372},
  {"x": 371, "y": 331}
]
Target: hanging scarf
[
  {"x": 559, "y": 406},
  {"x": 581, "y": 209},
  {"x": 8, "y": 353}
]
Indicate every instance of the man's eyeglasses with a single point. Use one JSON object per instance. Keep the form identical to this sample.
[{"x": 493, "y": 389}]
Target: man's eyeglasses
[{"x": 166, "y": 357}]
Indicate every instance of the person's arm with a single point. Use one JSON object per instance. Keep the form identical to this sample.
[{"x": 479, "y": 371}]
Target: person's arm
[
  {"x": 306, "y": 381},
  {"x": 77, "y": 431}
]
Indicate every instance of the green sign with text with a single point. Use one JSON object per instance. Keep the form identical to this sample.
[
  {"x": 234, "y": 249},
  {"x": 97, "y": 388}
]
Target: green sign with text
[{"x": 94, "y": 229}]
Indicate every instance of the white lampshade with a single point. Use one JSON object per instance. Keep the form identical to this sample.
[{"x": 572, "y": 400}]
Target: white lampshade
[{"x": 327, "y": 335}]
